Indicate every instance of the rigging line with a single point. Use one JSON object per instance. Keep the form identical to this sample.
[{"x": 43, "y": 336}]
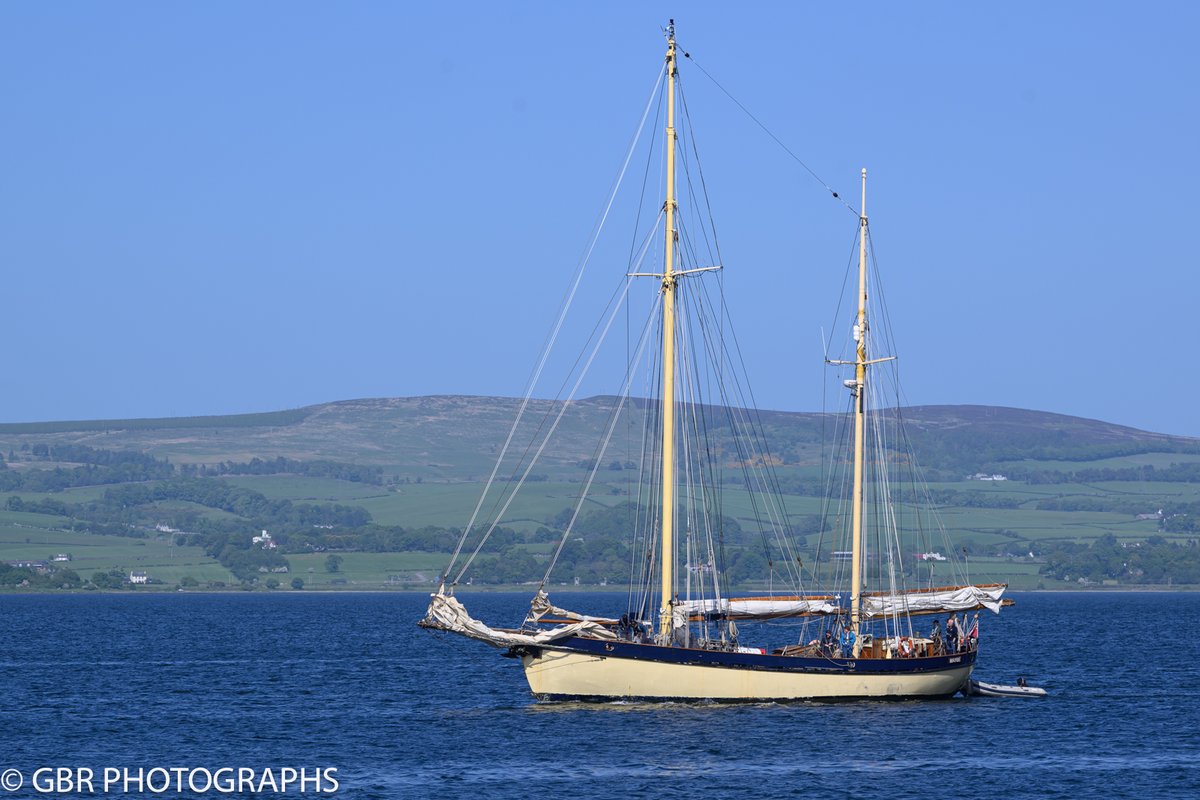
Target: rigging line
[
  {"x": 835, "y": 465},
  {"x": 845, "y": 281},
  {"x": 841, "y": 466},
  {"x": 754, "y": 419},
  {"x": 719, "y": 466},
  {"x": 629, "y": 372},
  {"x": 826, "y": 479},
  {"x": 534, "y": 438},
  {"x": 922, "y": 495},
  {"x": 689, "y": 393},
  {"x": 628, "y": 322},
  {"x": 881, "y": 304},
  {"x": 549, "y": 434},
  {"x": 508, "y": 488},
  {"x": 888, "y": 533},
  {"x": 687, "y": 411},
  {"x": 934, "y": 516},
  {"x": 702, "y": 422},
  {"x": 767, "y": 131},
  {"x": 833, "y": 497},
  {"x": 646, "y": 173},
  {"x": 695, "y": 422},
  {"x": 553, "y": 336},
  {"x": 960, "y": 569},
  {"x": 652, "y": 450},
  {"x": 765, "y": 510},
  {"x": 766, "y": 514},
  {"x": 642, "y": 508},
  {"x": 700, "y": 169},
  {"x": 691, "y": 190},
  {"x": 615, "y": 303},
  {"x": 755, "y": 484},
  {"x": 721, "y": 365}
]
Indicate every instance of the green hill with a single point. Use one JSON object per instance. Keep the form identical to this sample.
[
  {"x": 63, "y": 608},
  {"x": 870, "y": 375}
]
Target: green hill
[
  {"x": 367, "y": 475},
  {"x": 454, "y": 437}
]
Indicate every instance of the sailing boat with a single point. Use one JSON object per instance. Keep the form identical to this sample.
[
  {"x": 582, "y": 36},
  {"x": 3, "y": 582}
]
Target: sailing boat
[{"x": 863, "y": 645}]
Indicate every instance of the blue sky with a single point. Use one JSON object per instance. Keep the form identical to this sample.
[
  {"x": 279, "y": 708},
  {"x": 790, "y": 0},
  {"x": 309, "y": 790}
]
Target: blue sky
[{"x": 228, "y": 207}]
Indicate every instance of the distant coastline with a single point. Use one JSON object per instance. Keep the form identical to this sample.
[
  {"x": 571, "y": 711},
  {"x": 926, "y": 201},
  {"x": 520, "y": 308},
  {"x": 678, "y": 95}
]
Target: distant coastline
[
  {"x": 382, "y": 487},
  {"x": 522, "y": 590}
]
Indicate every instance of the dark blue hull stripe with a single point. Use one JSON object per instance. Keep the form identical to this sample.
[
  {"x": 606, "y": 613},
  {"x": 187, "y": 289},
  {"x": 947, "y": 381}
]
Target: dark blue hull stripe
[
  {"x": 594, "y": 698},
  {"x": 756, "y": 661}
]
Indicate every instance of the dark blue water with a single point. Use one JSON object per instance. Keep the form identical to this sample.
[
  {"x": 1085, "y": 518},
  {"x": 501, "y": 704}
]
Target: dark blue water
[{"x": 348, "y": 682}]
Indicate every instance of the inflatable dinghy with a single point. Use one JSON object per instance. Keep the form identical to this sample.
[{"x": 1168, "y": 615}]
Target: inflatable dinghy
[{"x": 980, "y": 689}]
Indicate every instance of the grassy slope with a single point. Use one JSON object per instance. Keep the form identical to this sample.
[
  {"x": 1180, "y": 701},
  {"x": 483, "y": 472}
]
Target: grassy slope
[
  {"x": 40, "y": 536},
  {"x": 441, "y": 448}
]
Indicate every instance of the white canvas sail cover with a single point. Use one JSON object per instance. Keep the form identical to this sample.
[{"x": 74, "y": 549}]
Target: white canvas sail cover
[
  {"x": 949, "y": 599},
  {"x": 762, "y": 607},
  {"x": 448, "y": 614},
  {"x": 955, "y": 598}
]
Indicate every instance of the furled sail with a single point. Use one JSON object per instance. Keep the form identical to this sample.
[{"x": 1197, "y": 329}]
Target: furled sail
[
  {"x": 541, "y": 606},
  {"x": 933, "y": 601},
  {"x": 760, "y": 607},
  {"x": 878, "y": 604},
  {"x": 446, "y": 613}
]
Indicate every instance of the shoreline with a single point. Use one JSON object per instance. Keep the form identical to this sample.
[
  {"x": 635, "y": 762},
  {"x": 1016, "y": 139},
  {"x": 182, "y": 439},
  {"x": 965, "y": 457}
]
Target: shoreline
[{"x": 14, "y": 591}]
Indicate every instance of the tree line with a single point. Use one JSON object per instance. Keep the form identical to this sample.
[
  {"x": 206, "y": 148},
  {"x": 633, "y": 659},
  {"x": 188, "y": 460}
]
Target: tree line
[
  {"x": 99, "y": 467},
  {"x": 320, "y": 468},
  {"x": 1188, "y": 472},
  {"x": 1154, "y": 561}
]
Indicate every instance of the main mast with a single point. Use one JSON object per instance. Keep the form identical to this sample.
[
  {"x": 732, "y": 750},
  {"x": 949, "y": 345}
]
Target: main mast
[
  {"x": 860, "y": 394},
  {"x": 669, "y": 280}
]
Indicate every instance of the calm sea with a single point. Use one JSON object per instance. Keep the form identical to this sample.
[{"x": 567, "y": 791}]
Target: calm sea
[{"x": 347, "y": 681}]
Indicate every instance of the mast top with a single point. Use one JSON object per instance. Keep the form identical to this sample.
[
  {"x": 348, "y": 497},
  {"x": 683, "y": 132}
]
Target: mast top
[{"x": 863, "y": 213}]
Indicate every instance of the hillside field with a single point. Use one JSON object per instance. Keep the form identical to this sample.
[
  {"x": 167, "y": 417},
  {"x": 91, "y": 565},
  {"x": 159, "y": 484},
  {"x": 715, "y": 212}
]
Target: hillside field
[{"x": 432, "y": 455}]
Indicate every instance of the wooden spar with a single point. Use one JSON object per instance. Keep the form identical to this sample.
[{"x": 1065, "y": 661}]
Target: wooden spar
[
  {"x": 860, "y": 392},
  {"x": 793, "y": 597},
  {"x": 669, "y": 279},
  {"x": 1004, "y": 603},
  {"x": 941, "y": 589}
]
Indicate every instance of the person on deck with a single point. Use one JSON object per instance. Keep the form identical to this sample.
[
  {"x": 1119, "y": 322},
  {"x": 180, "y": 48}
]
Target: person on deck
[
  {"x": 951, "y": 635},
  {"x": 973, "y": 635},
  {"x": 935, "y": 637},
  {"x": 847, "y": 642},
  {"x": 827, "y": 644}
]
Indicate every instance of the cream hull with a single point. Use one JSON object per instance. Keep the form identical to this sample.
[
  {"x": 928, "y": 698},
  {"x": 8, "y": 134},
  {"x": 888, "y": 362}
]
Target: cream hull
[{"x": 567, "y": 674}]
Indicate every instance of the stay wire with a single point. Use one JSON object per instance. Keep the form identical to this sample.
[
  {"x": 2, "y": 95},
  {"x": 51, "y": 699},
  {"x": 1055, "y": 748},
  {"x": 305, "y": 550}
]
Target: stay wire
[
  {"x": 691, "y": 134},
  {"x": 776, "y": 139},
  {"x": 553, "y": 335},
  {"x": 562, "y": 410}
]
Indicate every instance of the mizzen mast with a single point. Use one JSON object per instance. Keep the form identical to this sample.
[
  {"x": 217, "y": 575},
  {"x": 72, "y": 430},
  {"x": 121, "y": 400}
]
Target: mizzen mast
[
  {"x": 669, "y": 280},
  {"x": 860, "y": 392}
]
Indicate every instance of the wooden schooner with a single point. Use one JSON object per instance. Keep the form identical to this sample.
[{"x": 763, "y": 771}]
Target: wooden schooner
[{"x": 681, "y": 640}]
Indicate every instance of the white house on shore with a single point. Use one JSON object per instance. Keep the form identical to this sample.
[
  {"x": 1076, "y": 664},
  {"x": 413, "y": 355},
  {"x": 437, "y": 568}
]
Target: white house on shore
[{"x": 266, "y": 541}]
